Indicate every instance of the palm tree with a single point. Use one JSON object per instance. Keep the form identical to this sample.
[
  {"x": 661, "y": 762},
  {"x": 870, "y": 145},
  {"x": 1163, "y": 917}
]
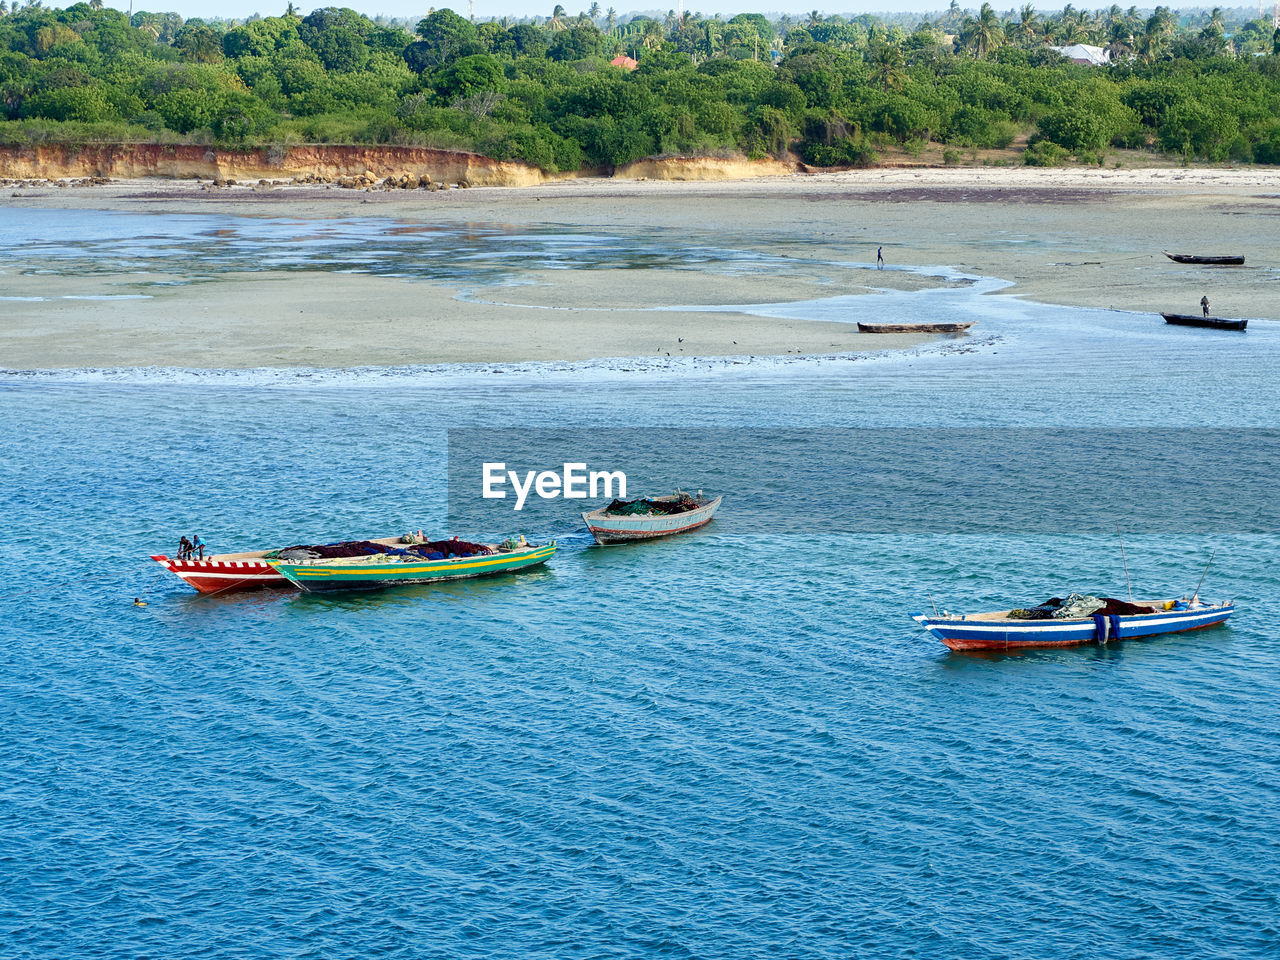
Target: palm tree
[
  {"x": 1027, "y": 25},
  {"x": 815, "y": 18},
  {"x": 611, "y": 17},
  {"x": 653, "y": 35},
  {"x": 712, "y": 31},
  {"x": 1156, "y": 33},
  {"x": 984, "y": 33},
  {"x": 557, "y": 18},
  {"x": 887, "y": 67},
  {"x": 593, "y": 12},
  {"x": 95, "y": 4}
]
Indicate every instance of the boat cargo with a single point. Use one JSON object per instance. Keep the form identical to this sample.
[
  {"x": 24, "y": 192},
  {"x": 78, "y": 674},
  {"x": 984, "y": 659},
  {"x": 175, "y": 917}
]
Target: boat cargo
[{"x": 625, "y": 521}]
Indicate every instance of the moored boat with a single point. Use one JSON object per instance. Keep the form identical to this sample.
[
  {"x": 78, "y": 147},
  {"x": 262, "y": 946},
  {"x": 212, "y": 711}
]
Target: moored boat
[
  {"x": 406, "y": 567},
  {"x": 649, "y": 518},
  {"x": 225, "y": 572},
  {"x": 1231, "y": 260},
  {"x": 1197, "y": 320},
  {"x": 944, "y": 327},
  {"x": 1000, "y": 631}
]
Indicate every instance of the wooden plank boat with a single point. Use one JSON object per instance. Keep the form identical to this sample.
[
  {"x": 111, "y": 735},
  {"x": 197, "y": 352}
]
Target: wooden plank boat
[
  {"x": 379, "y": 571},
  {"x": 1196, "y": 320},
  {"x": 608, "y": 525},
  {"x": 914, "y": 327},
  {"x": 997, "y": 631},
  {"x": 1233, "y": 260},
  {"x": 225, "y": 572}
]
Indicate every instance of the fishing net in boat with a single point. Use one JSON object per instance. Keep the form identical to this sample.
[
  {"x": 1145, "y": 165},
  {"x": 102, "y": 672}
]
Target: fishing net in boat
[{"x": 643, "y": 507}]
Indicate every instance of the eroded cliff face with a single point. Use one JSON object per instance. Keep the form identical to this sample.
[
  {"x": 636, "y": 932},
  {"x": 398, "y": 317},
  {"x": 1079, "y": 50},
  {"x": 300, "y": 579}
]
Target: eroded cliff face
[
  {"x": 134, "y": 161},
  {"x": 131, "y": 161},
  {"x": 704, "y": 168}
]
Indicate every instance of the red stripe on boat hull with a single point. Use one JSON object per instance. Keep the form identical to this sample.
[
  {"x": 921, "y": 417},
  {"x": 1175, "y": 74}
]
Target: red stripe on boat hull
[
  {"x": 223, "y": 576},
  {"x": 954, "y": 643}
]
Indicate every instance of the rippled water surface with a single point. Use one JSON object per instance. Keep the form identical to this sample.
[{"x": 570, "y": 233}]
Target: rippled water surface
[{"x": 717, "y": 746}]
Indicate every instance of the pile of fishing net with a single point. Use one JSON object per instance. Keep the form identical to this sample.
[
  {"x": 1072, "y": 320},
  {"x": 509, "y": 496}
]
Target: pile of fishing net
[
  {"x": 1077, "y": 606},
  {"x": 643, "y": 507}
]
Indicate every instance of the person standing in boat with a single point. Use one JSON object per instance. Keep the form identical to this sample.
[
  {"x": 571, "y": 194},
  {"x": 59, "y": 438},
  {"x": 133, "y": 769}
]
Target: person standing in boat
[
  {"x": 197, "y": 547},
  {"x": 184, "y": 549},
  {"x": 1204, "y": 304}
]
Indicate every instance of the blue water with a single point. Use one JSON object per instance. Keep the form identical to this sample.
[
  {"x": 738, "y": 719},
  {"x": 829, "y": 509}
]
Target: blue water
[{"x": 719, "y": 746}]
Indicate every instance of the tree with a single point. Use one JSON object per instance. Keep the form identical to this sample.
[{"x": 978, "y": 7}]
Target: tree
[
  {"x": 199, "y": 44},
  {"x": 444, "y": 36},
  {"x": 1029, "y": 24},
  {"x": 887, "y": 67},
  {"x": 984, "y": 33}
]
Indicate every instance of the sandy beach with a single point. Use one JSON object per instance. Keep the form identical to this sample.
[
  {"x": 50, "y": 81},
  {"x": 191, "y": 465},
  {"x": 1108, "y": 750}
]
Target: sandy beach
[{"x": 1076, "y": 237}]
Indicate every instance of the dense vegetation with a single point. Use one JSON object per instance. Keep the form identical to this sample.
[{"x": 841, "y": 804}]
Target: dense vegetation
[{"x": 832, "y": 90}]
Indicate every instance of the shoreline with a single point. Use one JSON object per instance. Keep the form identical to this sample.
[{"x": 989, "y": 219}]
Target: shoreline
[{"x": 1071, "y": 237}]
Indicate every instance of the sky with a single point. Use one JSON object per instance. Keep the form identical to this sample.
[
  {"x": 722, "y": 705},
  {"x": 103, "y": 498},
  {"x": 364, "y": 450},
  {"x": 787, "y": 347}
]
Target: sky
[{"x": 485, "y": 9}]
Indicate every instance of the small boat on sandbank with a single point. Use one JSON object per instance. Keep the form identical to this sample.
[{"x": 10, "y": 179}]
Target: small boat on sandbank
[
  {"x": 429, "y": 562},
  {"x": 1197, "y": 320},
  {"x": 1042, "y": 627},
  {"x": 624, "y": 521},
  {"x": 1231, "y": 260},
  {"x": 914, "y": 327}
]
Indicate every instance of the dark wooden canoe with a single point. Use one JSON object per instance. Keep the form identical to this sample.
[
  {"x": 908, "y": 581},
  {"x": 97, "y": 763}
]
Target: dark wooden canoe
[
  {"x": 914, "y": 327},
  {"x": 1233, "y": 261},
  {"x": 1195, "y": 320}
]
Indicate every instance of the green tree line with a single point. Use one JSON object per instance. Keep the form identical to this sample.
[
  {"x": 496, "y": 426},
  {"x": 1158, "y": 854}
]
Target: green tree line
[{"x": 831, "y": 90}]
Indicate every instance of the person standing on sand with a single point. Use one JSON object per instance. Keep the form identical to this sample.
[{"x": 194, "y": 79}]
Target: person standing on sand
[
  {"x": 879, "y": 258},
  {"x": 1204, "y": 304}
]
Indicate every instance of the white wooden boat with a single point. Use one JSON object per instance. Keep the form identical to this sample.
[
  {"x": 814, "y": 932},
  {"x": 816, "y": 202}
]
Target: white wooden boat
[{"x": 648, "y": 518}]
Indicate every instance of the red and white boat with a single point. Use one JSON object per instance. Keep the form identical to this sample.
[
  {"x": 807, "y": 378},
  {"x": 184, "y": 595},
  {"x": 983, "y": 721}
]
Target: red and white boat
[{"x": 223, "y": 572}]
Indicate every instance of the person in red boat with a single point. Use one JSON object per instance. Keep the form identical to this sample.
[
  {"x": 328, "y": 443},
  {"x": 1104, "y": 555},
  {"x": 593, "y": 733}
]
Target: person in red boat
[{"x": 184, "y": 549}]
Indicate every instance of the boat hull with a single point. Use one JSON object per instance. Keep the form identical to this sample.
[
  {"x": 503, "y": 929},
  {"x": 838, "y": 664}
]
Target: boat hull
[
  {"x": 999, "y": 634},
  {"x": 331, "y": 576},
  {"x": 914, "y": 327},
  {"x": 219, "y": 576},
  {"x": 1213, "y": 323},
  {"x": 611, "y": 530},
  {"x": 1234, "y": 260}
]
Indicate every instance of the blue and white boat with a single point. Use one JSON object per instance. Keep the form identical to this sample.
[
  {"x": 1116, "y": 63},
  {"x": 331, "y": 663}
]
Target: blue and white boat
[{"x": 999, "y": 631}]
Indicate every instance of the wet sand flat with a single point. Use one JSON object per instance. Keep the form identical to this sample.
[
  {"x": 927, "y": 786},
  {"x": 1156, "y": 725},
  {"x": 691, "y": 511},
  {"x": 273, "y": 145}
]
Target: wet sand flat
[{"x": 1075, "y": 237}]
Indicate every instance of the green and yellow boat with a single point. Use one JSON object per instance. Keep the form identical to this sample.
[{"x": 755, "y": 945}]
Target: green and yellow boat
[{"x": 381, "y": 570}]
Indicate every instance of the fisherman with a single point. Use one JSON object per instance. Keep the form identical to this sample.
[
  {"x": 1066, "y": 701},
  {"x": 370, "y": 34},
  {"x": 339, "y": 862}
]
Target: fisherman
[
  {"x": 879, "y": 258},
  {"x": 1204, "y": 304},
  {"x": 197, "y": 547},
  {"x": 184, "y": 549},
  {"x": 139, "y": 602}
]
